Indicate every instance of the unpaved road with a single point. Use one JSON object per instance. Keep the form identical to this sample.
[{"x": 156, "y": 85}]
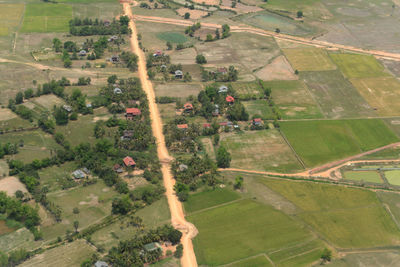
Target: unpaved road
[
  {"x": 175, "y": 206},
  {"x": 286, "y": 37}
]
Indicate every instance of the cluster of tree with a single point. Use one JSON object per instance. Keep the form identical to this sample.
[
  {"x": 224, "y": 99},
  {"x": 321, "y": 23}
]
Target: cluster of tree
[
  {"x": 84, "y": 81},
  {"x": 226, "y": 31},
  {"x": 230, "y": 76},
  {"x": 130, "y": 59},
  {"x": 166, "y": 99},
  {"x": 21, "y": 110},
  {"x": 133, "y": 253},
  {"x": 152, "y": 60},
  {"x": 200, "y": 59},
  {"x": 14, "y": 257},
  {"x": 192, "y": 173},
  {"x": 190, "y": 30},
  {"x": 14, "y": 209},
  {"x": 88, "y": 27},
  {"x": 8, "y": 149},
  {"x": 182, "y": 140}
]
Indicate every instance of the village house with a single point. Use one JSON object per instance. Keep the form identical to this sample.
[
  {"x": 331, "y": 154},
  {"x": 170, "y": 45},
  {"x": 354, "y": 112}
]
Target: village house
[
  {"x": 222, "y": 89},
  {"x": 188, "y": 107},
  {"x": 222, "y": 70},
  {"x": 182, "y": 126},
  {"x": 163, "y": 68},
  {"x": 152, "y": 246},
  {"x": 113, "y": 38},
  {"x": 183, "y": 167},
  {"x": 67, "y": 108},
  {"x": 107, "y": 23},
  {"x": 206, "y": 125},
  {"x": 178, "y": 74},
  {"x": 226, "y": 124},
  {"x": 78, "y": 174},
  {"x": 82, "y": 53},
  {"x": 100, "y": 264},
  {"x": 118, "y": 168},
  {"x": 132, "y": 112},
  {"x": 114, "y": 59},
  {"x": 229, "y": 99},
  {"x": 158, "y": 53},
  {"x": 127, "y": 135},
  {"x": 257, "y": 122},
  {"x": 117, "y": 91},
  {"x": 129, "y": 162}
]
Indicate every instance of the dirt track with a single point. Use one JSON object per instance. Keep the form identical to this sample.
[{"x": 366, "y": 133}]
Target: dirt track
[
  {"x": 294, "y": 39},
  {"x": 177, "y": 214}
]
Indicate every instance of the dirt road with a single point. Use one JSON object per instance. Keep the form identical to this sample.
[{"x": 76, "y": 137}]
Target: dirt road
[
  {"x": 175, "y": 206},
  {"x": 281, "y": 36}
]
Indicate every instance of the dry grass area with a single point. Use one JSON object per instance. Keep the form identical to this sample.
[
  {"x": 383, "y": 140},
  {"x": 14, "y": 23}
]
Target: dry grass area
[
  {"x": 240, "y": 8},
  {"x": 309, "y": 59},
  {"x": 10, "y": 185},
  {"x": 184, "y": 56},
  {"x": 278, "y": 69},
  {"x": 48, "y": 101},
  {"x": 207, "y": 2},
  {"x": 182, "y": 90},
  {"x": 194, "y": 14},
  {"x": 381, "y": 93},
  {"x": 10, "y": 16},
  {"x": 6, "y": 114}
]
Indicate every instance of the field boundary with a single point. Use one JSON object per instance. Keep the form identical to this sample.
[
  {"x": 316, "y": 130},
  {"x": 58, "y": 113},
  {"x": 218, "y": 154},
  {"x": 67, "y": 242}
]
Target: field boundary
[{"x": 294, "y": 151}]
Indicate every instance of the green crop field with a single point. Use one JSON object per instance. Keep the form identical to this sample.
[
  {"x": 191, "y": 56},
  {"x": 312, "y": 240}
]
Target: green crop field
[
  {"x": 173, "y": 37},
  {"x": 381, "y": 93},
  {"x": 393, "y": 177},
  {"x": 209, "y": 199},
  {"x": 358, "y": 66},
  {"x": 259, "y": 109},
  {"x": 46, "y": 17},
  {"x": 259, "y": 261},
  {"x": 335, "y": 95},
  {"x": 365, "y": 176},
  {"x": 309, "y": 59},
  {"x": 260, "y": 150},
  {"x": 243, "y": 229},
  {"x": 10, "y": 16},
  {"x": 294, "y": 99},
  {"x": 347, "y": 217},
  {"x": 391, "y": 201},
  {"x": 318, "y": 142}
]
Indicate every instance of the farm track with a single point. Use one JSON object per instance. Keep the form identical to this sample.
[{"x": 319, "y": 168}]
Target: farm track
[
  {"x": 280, "y": 36},
  {"x": 177, "y": 215}
]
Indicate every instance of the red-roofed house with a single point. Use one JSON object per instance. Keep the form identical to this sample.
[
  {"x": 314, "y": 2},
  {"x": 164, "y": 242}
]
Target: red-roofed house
[
  {"x": 230, "y": 99},
  {"x": 206, "y": 125},
  {"x": 129, "y": 162},
  {"x": 257, "y": 122},
  {"x": 188, "y": 107},
  {"x": 132, "y": 112},
  {"x": 182, "y": 126},
  {"x": 222, "y": 70},
  {"x": 158, "y": 53}
]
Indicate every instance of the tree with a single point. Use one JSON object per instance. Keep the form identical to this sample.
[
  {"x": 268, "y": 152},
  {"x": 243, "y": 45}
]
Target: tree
[
  {"x": 187, "y": 15},
  {"x": 67, "y": 63},
  {"x": 187, "y": 77},
  {"x": 225, "y": 31},
  {"x": 299, "y": 14},
  {"x": 61, "y": 116},
  {"x": 121, "y": 205},
  {"x": 169, "y": 45},
  {"x": 28, "y": 93},
  {"x": 112, "y": 79},
  {"x": 99, "y": 129},
  {"x": 209, "y": 38},
  {"x": 217, "y": 35},
  {"x": 233, "y": 5},
  {"x": 238, "y": 182},
  {"x": 76, "y": 226},
  {"x": 19, "y": 194},
  {"x": 326, "y": 255},
  {"x": 223, "y": 157},
  {"x": 200, "y": 59},
  {"x": 216, "y": 139},
  {"x": 277, "y": 30},
  {"x": 179, "y": 251},
  {"x": 124, "y": 20},
  {"x": 19, "y": 98},
  {"x": 57, "y": 45},
  {"x": 75, "y": 210}
]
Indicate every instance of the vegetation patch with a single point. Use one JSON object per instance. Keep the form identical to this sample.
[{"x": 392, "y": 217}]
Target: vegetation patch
[
  {"x": 46, "y": 17},
  {"x": 209, "y": 198},
  {"x": 10, "y": 16},
  {"x": 259, "y": 109},
  {"x": 318, "y": 142},
  {"x": 393, "y": 177},
  {"x": 348, "y": 217},
  {"x": 309, "y": 59},
  {"x": 363, "y": 176},
  {"x": 259, "y": 261}
]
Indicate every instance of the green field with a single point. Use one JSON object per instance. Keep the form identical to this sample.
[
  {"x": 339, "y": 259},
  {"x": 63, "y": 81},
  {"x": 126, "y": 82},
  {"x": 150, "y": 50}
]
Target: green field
[
  {"x": 393, "y": 177},
  {"x": 318, "y": 142},
  {"x": 309, "y": 59},
  {"x": 335, "y": 95},
  {"x": 364, "y": 176},
  {"x": 208, "y": 199},
  {"x": 259, "y": 109},
  {"x": 259, "y": 261},
  {"x": 293, "y": 99},
  {"x": 358, "y": 66},
  {"x": 52, "y": 177},
  {"x": 243, "y": 229},
  {"x": 173, "y": 37},
  {"x": 46, "y": 17},
  {"x": 10, "y": 16},
  {"x": 260, "y": 150},
  {"x": 347, "y": 217}
]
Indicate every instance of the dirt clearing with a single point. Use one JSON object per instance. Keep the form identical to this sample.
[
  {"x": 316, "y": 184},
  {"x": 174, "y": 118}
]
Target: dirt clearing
[
  {"x": 278, "y": 69},
  {"x": 6, "y": 114},
  {"x": 11, "y": 184},
  {"x": 194, "y": 14}
]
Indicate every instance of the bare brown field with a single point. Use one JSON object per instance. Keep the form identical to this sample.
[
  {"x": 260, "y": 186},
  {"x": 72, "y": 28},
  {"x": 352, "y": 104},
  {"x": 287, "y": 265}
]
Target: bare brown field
[
  {"x": 6, "y": 114},
  {"x": 184, "y": 56},
  {"x": 278, "y": 69},
  {"x": 11, "y": 184},
  {"x": 194, "y": 14},
  {"x": 207, "y": 2},
  {"x": 48, "y": 101},
  {"x": 182, "y": 90}
]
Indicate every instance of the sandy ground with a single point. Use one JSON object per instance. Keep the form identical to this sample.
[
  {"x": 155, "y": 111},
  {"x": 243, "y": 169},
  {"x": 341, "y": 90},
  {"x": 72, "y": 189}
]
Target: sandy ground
[
  {"x": 278, "y": 36},
  {"x": 177, "y": 214},
  {"x": 6, "y": 114},
  {"x": 278, "y": 69},
  {"x": 194, "y": 14},
  {"x": 11, "y": 185},
  {"x": 207, "y": 2}
]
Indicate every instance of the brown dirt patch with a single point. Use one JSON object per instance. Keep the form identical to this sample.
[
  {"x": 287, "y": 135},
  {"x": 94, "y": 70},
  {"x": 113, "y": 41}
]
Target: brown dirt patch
[
  {"x": 11, "y": 184},
  {"x": 6, "y": 114},
  {"x": 278, "y": 69},
  {"x": 207, "y": 2},
  {"x": 4, "y": 229},
  {"x": 194, "y": 14},
  {"x": 240, "y": 8}
]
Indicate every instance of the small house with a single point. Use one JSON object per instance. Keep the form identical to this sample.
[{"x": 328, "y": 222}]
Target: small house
[
  {"x": 206, "y": 125},
  {"x": 215, "y": 113},
  {"x": 132, "y": 112},
  {"x": 114, "y": 59},
  {"x": 229, "y": 99},
  {"x": 163, "y": 68},
  {"x": 100, "y": 264},
  {"x": 67, "y": 108},
  {"x": 106, "y": 23},
  {"x": 82, "y": 53},
  {"x": 188, "y": 107},
  {"x": 78, "y": 174},
  {"x": 222, "y": 70},
  {"x": 152, "y": 246},
  {"x": 257, "y": 122},
  {"x": 183, "y": 167},
  {"x": 89, "y": 105},
  {"x": 118, "y": 168},
  {"x": 85, "y": 170},
  {"x": 113, "y": 38},
  {"x": 178, "y": 74},
  {"x": 222, "y": 89},
  {"x": 226, "y": 124},
  {"x": 129, "y": 162},
  {"x": 183, "y": 126},
  {"x": 158, "y": 53},
  {"x": 117, "y": 91}
]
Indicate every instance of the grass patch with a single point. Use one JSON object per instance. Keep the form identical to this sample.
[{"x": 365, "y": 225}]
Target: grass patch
[
  {"x": 52, "y": 176},
  {"x": 259, "y": 109},
  {"x": 177, "y": 90},
  {"x": 46, "y": 17},
  {"x": 348, "y": 217},
  {"x": 318, "y": 142},
  {"x": 240, "y": 230},
  {"x": 245, "y": 90},
  {"x": 260, "y": 150},
  {"x": 393, "y": 177},
  {"x": 358, "y": 66},
  {"x": 363, "y": 176},
  {"x": 207, "y": 199},
  {"x": 10, "y": 16},
  {"x": 259, "y": 261},
  {"x": 309, "y": 59},
  {"x": 173, "y": 37}
]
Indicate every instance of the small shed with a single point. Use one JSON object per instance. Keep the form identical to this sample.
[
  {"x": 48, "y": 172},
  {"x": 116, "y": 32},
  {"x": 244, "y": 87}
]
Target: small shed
[
  {"x": 183, "y": 167},
  {"x": 158, "y": 53},
  {"x": 257, "y": 122},
  {"x": 118, "y": 168},
  {"x": 129, "y": 162},
  {"x": 82, "y": 53},
  {"x": 230, "y": 99},
  {"x": 206, "y": 125},
  {"x": 152, "y": 246},
  {"x": 101, "y": 264},
  {"x": 114, "y": 59},
  {"x": 67, "y": 108},
  {"x": 178, "y": 74},
  {"x": 117, "y": 91},
  {"x": 222, "y": 70},
  {"x": 222, "y": 89},
  {"x": 183, "y": 126},
  {"x": 132, "y": 112},
  {"x": 127, "y": 135},
  {"x": 188, "y": 107},
  {"x": 78, "y": 174}
]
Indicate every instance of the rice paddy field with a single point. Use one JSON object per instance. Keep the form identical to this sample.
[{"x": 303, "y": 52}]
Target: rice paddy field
[
  {"x": 363, "y": 176},
  {"x": 393, "y": 177},
  {"x": 318, "y": 142},
  {"x": 209, "y": 198},
  {"x": 309, "y": 59}
]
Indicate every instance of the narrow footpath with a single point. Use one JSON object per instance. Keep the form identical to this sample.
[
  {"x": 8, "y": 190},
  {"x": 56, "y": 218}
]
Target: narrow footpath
[{"x": 175, "y": 206}]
